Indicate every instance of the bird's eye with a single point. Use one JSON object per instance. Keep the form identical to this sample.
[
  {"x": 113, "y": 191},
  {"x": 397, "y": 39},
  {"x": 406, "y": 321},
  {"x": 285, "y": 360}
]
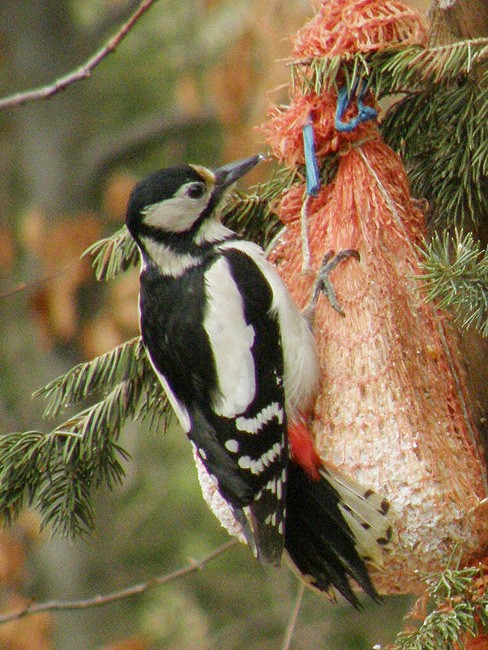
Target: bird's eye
[{"x": 196, "y": 190}]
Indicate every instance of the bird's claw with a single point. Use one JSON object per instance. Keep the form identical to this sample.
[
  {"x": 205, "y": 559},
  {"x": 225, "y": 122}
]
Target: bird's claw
[{"x": 323, "y": 282}]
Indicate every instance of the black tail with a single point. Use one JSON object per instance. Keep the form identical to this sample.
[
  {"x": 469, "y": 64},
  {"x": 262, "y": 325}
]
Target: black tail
[{"x": 323, "y": 517}]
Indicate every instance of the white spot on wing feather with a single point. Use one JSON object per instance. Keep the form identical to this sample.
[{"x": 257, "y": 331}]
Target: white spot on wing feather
[
  {"x": 232, "y": 446},
  {"x": 256, "y": 423},
  {"x": 231, "y": 339},
  {"x": 256, "y": 466}
]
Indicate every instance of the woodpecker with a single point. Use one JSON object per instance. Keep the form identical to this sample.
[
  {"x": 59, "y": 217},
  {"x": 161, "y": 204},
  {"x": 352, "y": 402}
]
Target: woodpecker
[{"x": 239, "y": 365}]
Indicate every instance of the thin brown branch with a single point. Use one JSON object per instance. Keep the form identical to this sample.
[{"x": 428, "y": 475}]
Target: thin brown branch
[
  {"x": 96, "y": 601},
  {"x": 33, "y": 284},
  {"x": 82, "y": 72},
  {"x": 290, "y": 630}
]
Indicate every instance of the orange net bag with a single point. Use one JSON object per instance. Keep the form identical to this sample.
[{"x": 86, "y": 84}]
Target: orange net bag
[
  {"x": 350, "y": 26},
  {"x": 284, "y": 129},
  {"x": 393, "y": 411}
]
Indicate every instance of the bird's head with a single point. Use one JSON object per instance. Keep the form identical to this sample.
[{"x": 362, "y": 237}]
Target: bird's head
[{"x": 176, "y": 201}]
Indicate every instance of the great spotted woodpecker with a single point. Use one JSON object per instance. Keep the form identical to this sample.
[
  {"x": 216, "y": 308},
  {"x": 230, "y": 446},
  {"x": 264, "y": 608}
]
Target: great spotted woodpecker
[{"x": 239, "y": 365}]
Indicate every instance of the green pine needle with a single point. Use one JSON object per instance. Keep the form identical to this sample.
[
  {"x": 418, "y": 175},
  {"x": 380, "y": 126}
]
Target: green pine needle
[
  {"x": 320, "y": 75},
  {"x": 100, "y": 374},
  {"x": 455, "y": 274},
  {"x": 113, "y": 255},
  {"x": 391, "y": 71},
  {"x": 58, "y": 472},
  {"x": 457, "y": 610}
]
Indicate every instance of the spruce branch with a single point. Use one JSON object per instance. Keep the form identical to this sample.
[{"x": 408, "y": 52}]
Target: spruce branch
[
  {"x": 113, "y": 255},
  {"x": 458, "y": 608},
  {"x": 417, "y": 67},
  {"x": 128, "y": 360},
  {"x": 444, "y": 141},
  {"x": 455, "y": 273},
  {"x": 58, "y": 472},
  {"x": 392, "y": 71}
]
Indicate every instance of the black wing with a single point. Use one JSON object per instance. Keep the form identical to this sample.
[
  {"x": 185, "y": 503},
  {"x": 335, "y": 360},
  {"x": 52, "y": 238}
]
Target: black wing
[
  {"x": 217, "y": 346},
  {"x": 255, "y": 435}
]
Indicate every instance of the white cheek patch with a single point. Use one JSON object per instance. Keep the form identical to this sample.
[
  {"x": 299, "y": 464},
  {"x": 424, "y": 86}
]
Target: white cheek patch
[
  {"x": 177, "y": 214},
  {"x": 231, "y": 340}
]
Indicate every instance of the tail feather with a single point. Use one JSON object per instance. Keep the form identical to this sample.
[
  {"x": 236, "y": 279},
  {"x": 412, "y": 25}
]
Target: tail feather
[
  {"x": 368, "y": 515},
  {"x": 328, "y": 536}
]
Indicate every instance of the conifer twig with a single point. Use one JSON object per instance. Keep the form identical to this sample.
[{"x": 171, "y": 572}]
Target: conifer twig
[
  {"x": 134, "y": 590},
  {"x": 455, "y": 275},
  {"x": 457, "y": 609},
  {"x": 82, "y": 72}
]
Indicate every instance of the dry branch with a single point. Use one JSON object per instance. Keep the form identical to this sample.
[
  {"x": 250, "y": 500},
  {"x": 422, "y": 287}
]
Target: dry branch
[
  {"x": 82, "y": 72},
  {"x": 96, "y": 601}
]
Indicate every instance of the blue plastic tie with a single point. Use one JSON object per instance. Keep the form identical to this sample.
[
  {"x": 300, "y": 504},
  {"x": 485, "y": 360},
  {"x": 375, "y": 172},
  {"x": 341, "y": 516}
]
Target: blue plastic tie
[
  {"x": 311, "y": 166},
  {"x": 365, "y": 113}
]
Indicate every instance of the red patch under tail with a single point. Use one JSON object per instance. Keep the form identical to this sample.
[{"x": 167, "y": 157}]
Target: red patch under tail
[{"x": 303, "y": 449}]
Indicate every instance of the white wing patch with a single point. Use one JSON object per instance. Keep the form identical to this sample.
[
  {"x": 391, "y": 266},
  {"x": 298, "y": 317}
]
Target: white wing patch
[
  {"x": 300, "y": 356},
  {"x": 231, "y": 340}
]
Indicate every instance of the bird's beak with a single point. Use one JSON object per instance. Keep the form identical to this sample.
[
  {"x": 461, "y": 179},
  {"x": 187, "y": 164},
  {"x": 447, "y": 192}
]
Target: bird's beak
[{"x": 230, "y": 173}]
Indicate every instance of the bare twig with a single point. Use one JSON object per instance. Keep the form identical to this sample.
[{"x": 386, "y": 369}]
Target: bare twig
[
  {"x": 32, "y": 284},
  {"x": 96, "y": 601},
  {"x": 84, "y": 71},
  {"x": 290, "y": 630}
]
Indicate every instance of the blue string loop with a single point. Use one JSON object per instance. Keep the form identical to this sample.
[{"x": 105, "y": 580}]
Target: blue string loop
[
  {"x": 311, "y": 165},
  {"x": 365, "y": 113}
]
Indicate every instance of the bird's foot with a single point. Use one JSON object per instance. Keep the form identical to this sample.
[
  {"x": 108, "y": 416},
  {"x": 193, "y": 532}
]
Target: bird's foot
[{"x": 323, "y": 283}]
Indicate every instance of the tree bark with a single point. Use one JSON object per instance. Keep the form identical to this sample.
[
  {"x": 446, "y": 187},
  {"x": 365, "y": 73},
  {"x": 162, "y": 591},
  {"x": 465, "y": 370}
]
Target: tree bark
[{"x": 454, "y": 20}]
